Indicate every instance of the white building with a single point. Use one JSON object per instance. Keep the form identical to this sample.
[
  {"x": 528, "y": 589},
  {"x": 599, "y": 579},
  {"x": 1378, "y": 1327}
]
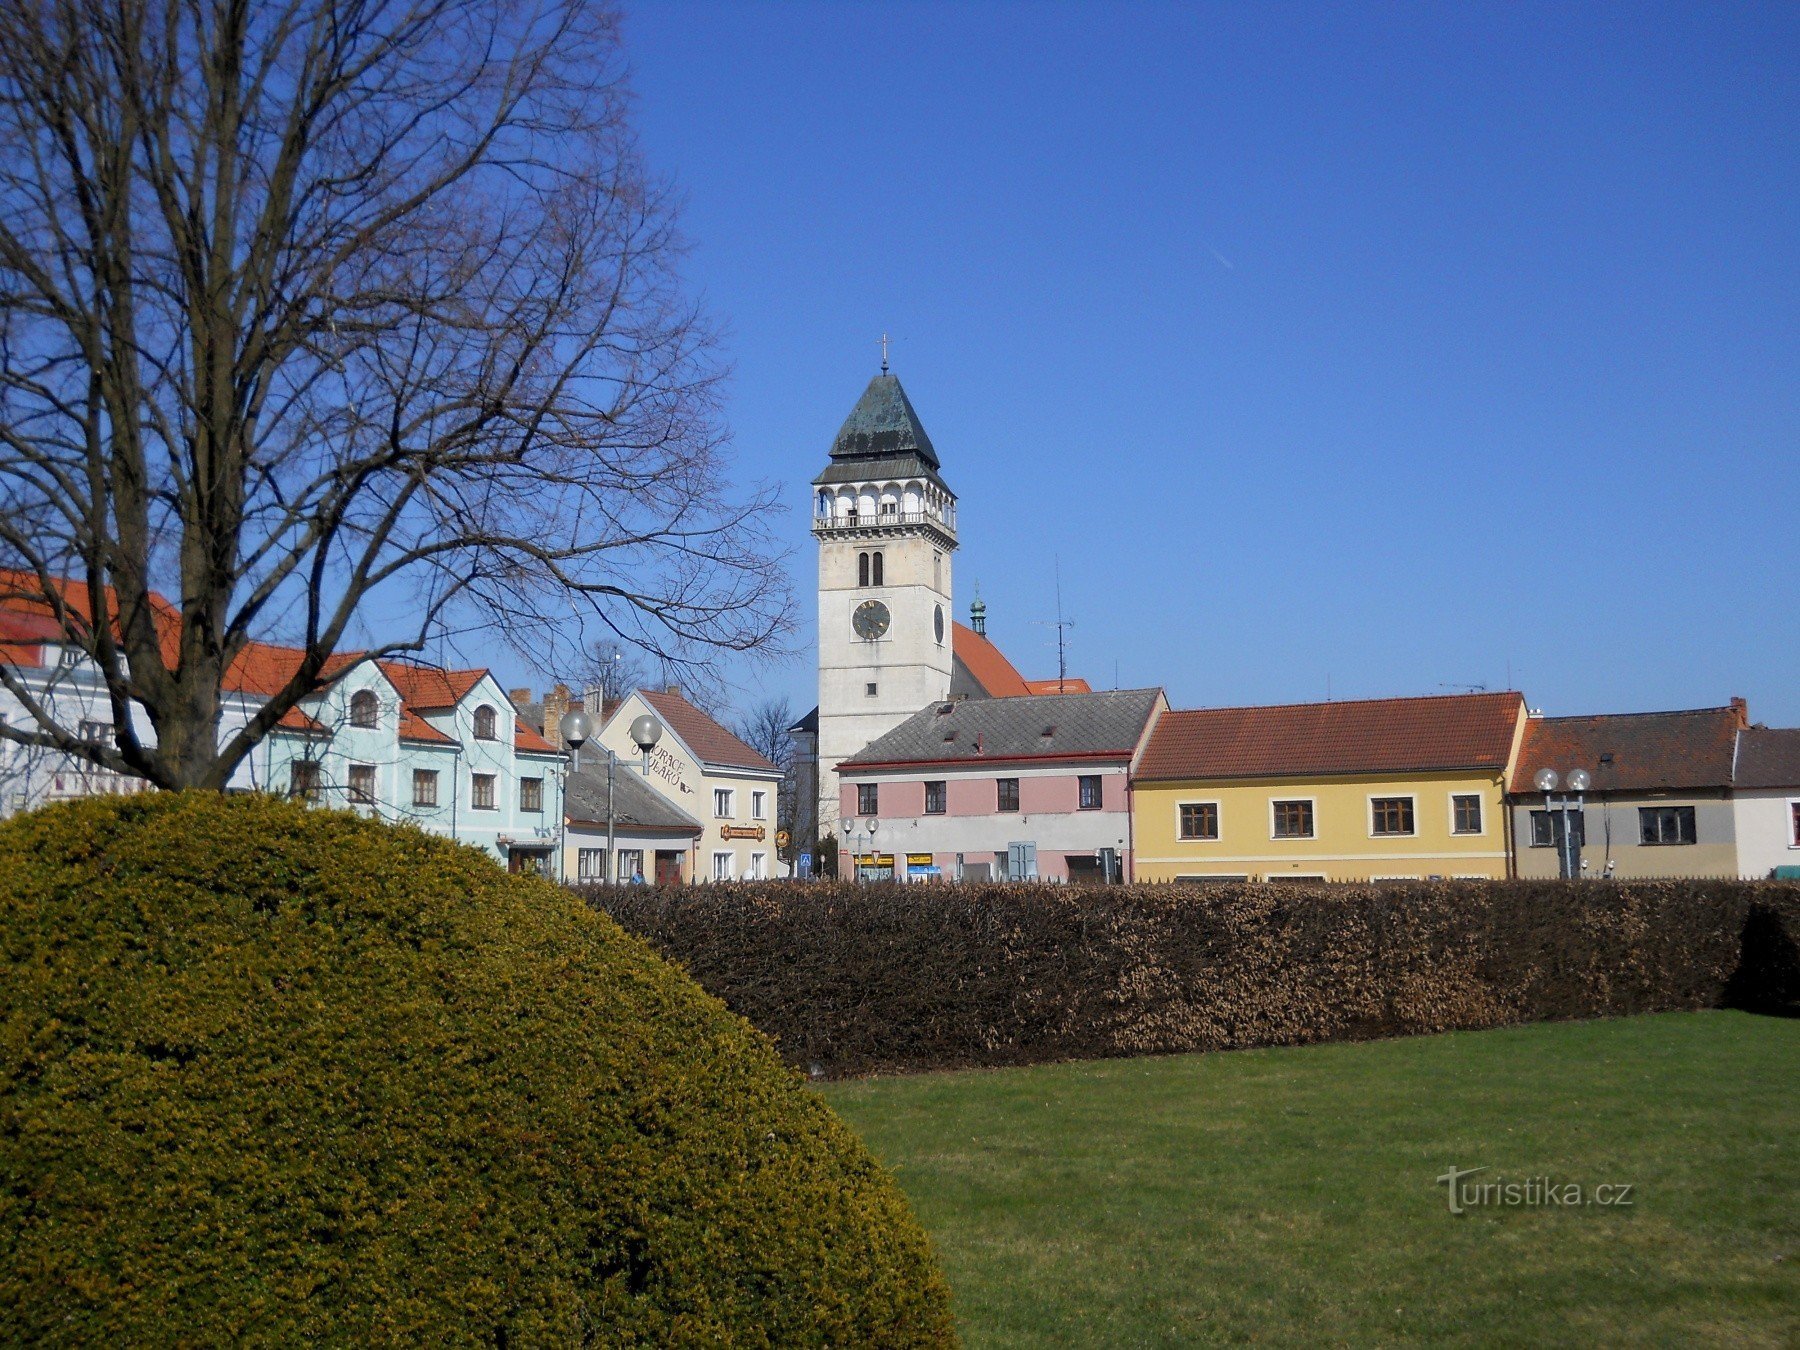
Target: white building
[{"x": 1765, "y": 800}]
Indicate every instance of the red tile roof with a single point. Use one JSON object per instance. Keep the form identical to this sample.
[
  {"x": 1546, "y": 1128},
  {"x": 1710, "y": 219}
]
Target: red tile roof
[
  {"x": 986, "y": 663},
  {"x": 1634, "y": 752},
  {"x": 1382, "y": 735},
  {"x": 428, "y": 686},
  {"x": 704, "y": 736},
  {"x": 528, "y": 741},
  {"x": 21, "y": 594},
  {"x": 1069, "y": 684}
]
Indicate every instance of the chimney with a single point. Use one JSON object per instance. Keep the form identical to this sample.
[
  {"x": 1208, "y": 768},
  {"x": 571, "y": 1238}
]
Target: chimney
[
  {"x": 519, "y": 697},
  {"x": 1742, "y": 709},
  {"x": 674, "y": 689},
  {"x": 556, "y": 703}
]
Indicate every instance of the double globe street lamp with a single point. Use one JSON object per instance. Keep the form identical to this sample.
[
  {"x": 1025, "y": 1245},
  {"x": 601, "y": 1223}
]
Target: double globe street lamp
[
  {"x": 576, "y": 728},
  {"x": 1568, "y": 846}
]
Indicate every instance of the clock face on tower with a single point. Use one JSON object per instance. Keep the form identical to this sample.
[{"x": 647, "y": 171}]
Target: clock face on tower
[{"x": 870, "y": 620}]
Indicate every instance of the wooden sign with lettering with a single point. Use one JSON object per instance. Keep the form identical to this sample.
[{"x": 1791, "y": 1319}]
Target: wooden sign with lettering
[{"x": 755, "y": 832}]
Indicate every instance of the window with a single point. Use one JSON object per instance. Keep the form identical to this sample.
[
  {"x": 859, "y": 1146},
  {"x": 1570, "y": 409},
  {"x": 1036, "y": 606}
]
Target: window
[
  {"x": 1199, "y": 820},
  {"x": 937, "y": 573},
  {"x": 481, "y": 792},
  {"x": 365, "y": 711},
  {"x": 531, "y": 794},
  {"x": 934, "y": 798},
  {"x": 1666, "y": 824},
  {"x": 362, "y": 783},
  {"x": 425, "y": 787},
  {"x": 590, "y": 864},
  {"x": 868, "y": 799},
  {"x": 875, "y": 568},
  {"x": 869, "y": 689},
  {"x": 303, "y": 779},
  {"x": 758, "y": 811},
  {"x": 96, "y": 733},
  {"x": 1088, "y": 792},
  {"x": 484, "y": 723},
  {"x": 758, "y": 862},
  {"x": 1794, "y": 837},
  {"x": 889, "y": 509},
  {"x": 722, "y": 803},
  {"x": 631, "y": 864},
  {"x": 1389, "y": 815},
  {"x": 1007, "y": 790},
  {"x": 721, "y": 867},
  {"x": 1293, "y": 820},
  {"x": 1465, "y": 813},
  {"x": 1546, "y": 828},
  {"x": 862, "y": 569}
]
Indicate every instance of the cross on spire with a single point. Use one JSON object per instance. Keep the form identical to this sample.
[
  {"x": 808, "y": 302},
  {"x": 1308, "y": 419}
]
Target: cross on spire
[{"x": 884, "y": 343}]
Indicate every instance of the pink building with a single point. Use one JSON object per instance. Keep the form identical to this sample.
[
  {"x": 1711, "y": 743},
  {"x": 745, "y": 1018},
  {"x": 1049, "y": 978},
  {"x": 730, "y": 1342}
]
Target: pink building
[{"x": 1025, "y": 787}]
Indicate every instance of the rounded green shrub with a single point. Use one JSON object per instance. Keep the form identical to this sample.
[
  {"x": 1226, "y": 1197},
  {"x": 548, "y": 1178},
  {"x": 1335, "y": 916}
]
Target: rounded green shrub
[{"x": 272, "y": 1074}]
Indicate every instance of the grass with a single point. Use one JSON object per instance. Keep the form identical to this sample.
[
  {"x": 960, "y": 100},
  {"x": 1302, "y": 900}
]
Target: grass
[{"x": 1289, "y": 1195}]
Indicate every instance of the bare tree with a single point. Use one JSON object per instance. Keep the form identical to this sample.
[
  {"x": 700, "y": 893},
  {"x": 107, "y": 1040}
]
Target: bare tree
[
  {"x": 334, "y": 318},
  {"x": 765, "y": 730},
  {"x": 615, "y": 671}
]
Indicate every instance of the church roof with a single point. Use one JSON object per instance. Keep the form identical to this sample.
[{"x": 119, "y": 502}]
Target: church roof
[{"x": 883, "y": 425}]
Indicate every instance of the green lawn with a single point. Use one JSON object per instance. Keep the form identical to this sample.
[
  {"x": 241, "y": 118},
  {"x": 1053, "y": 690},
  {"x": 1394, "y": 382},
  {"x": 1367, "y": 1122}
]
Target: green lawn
[{"x": 1290, "y": 1195}]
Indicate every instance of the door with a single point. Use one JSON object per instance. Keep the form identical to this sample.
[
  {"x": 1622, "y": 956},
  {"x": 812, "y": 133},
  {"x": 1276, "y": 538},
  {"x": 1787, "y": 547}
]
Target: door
[
  {"x": 1021, "y": 861},
  {"x": 668, "y": 867}
]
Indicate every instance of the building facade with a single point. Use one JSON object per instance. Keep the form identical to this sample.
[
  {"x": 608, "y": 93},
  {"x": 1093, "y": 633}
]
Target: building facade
[
  {"x": 1367, "y": 790},
  {"x": 1021, "y": 788},
  {"x": 651, "y": 838},
  {"x": 885, "y": 524},
  {"x": 703, "y": 769},
  {"x": 1765, "y": 801},
  {"x": 1660, "y": 801}
]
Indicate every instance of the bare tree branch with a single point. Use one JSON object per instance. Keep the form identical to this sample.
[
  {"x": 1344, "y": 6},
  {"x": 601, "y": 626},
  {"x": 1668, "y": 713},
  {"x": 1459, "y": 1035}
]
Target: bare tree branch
[{"x": 330, "y": 317}]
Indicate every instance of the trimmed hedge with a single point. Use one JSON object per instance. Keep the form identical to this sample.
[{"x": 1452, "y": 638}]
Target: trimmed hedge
[
  {"x": 856, "y": 979},
  {"x": 272, "y": 1074}
]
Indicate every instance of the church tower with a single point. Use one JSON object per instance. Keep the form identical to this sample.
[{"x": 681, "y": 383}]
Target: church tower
[{"x": 886, "y": 525}]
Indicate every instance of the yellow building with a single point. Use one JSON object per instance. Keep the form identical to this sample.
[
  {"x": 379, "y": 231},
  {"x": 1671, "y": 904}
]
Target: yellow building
[{"x": 1373, "y": 789}]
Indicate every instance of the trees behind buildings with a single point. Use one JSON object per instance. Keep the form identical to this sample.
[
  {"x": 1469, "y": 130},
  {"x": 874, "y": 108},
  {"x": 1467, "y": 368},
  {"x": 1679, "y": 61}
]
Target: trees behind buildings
[{"x": 328, "y": 319}]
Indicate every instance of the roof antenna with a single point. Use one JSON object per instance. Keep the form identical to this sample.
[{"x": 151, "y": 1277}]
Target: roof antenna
[
  {"x": 884, "y": 343},
  {"x": 1061, "y": 625}
]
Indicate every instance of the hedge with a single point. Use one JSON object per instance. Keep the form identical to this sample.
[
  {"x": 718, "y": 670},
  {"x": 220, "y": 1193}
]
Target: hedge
[
  {"x": 855, "y": 979},
  {"x": 278, "y": 1075}
]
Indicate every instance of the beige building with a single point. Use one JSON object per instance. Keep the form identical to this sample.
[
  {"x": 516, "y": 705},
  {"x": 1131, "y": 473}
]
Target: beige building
[
  {"x": 708, "y": 775},
  {"x": 1659, "y": 800}
]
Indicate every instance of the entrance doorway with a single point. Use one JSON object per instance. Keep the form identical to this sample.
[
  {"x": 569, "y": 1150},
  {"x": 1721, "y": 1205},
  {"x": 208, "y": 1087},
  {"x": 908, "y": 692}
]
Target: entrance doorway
[
  {"x": 534, "y": 862},
  {"x": 668, "y": 867}
]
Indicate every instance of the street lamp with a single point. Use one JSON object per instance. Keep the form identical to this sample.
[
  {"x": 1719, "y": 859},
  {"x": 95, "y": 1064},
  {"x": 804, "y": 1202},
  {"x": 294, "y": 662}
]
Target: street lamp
[
  {"x": 576, "y": 728},
  {"x": 1568, "y": 850},
  {"x": 646, "y": 731}
]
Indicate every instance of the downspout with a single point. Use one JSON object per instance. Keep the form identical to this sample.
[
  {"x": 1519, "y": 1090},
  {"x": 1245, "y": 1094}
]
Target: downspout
[
  {"x": 1130, "y": 826},
  {"x": 1507, "y": 831},
  {"x": 455, "y": 782}
]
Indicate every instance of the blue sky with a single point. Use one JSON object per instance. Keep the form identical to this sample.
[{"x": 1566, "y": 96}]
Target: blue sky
[{"x": 1370, "y": 349}]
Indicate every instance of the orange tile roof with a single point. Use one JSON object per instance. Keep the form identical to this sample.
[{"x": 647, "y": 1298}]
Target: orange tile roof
[
  {"x": 992, "y": 671},
  {"x": 1381, "y": 735},
  {"x": 22, "y": 594},
  {"x": 703, "y": 735},
  {"x": 527, "y": 740},
  {"x": 1069, "y": 684},
  {"x": 428, "y": 686},
  {"x": 414, "y": 727}
]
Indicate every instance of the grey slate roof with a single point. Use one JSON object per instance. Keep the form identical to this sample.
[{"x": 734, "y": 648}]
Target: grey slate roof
[
  {"x": 1768, "y": 757},
  {"x": 639, "y": 804},
  {"x": 1042, "y": 726},
  {"x": 883, "y": 425}
]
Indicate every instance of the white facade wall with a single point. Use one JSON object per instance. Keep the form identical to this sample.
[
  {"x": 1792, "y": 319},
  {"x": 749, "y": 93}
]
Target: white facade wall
[
  {"x": 909, "y": 665},
  {"x": 1765, "y": 830}
]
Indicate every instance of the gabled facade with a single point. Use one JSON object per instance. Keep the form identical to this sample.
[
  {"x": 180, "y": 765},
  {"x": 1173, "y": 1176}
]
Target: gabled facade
[
  {"x": 1765, "y": 801},
  {"x": 709, "y": 775},
  {"x": 1375, "y": 789},
  {"x": 438, "y": 748},
  {"x": 1028, "y": 787},
  {"x": 1659, "y": 804}
]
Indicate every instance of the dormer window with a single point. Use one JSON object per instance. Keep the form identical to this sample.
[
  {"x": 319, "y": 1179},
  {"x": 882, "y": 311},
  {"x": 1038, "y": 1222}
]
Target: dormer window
[
  {"x": 484, "y": 723},
  {"x": 365, "y": 709}
]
